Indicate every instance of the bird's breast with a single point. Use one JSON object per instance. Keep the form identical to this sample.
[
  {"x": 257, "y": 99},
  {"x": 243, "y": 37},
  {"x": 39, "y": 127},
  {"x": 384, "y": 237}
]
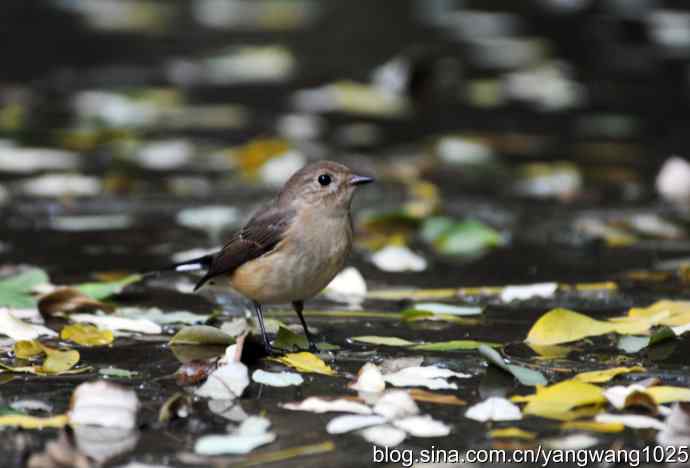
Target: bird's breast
[{"x": 313, "y": 251}]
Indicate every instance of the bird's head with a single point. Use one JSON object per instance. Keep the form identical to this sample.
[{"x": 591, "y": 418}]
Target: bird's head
[{"x": 323, "y": 184}]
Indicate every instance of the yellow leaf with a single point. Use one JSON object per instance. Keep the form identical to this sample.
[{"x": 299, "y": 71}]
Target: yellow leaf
[
  {"x": 512, "y": 433},
  {"x": 557, "y": 400},
  {"x": 305, "y": 362},
  {"x": 606, "y": 374},
  {"x": 57, "y": 361},
  {"x": 667, "y": 394},
  {"x": 27, "y": 349},
  {"x": 563, "y": 326},
  {"x": 551, "y": 352},
  {"x": 86, "y": 335},
  {"x": 671, "y": 313},
  {"x": 593, "y": 426},
  {"x": 33, "y": 422}
]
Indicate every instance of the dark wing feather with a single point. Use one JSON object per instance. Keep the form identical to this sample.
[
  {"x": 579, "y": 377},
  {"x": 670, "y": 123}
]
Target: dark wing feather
[{"x": 258, "y": 237}]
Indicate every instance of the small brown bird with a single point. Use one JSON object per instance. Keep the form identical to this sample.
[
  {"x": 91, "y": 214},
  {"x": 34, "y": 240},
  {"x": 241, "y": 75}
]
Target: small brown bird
[{"x": 293, "y": 247}]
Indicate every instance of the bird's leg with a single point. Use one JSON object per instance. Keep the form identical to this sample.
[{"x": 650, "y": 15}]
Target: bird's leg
[
  {"x": 299, "y": 307},
  {"x": 260, "y": 318}
]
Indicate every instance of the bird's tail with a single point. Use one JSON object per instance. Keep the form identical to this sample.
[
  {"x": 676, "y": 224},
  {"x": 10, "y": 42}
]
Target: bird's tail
[{"x": 195, "y": 264}]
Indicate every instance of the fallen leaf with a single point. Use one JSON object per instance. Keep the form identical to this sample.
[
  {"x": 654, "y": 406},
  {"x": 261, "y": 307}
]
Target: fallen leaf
[
  {"x": 305, "y": 362},
  {"x": 27, "y": 349},
  {"x": 348, "y": 423},
  {"x": 634, "y": 421},
  {"x": 110, "y": 322},
  {"x": 440, "y": 308},
  {"x": 512, "y": 433},
  {"x": 455, "y": 345},
  {"x": 605, "y": 375},
  {"x": 287, "y": 339},
  {"x": 369, "y": 379},
  {"x": 201, "y": 335},
  {"x": 16, "y": 291},
  {"x": 156, "y": 315},
  {"x": 383, "y": 435},
  {"x": 348, "y": 286},
  {"x": 68, "y": 300},
  {"x": 563, "y": 326},
  {"x": 394, "y": 258},
  {"x": 117, "y": 372},
  {"x": 227, "y": 382},
  {"x": 525, "y": 292},
  {"x": 413, "y": 315},
  {"x": 555, "y": 401},
  {"x": 252, "y": 433},
  {"x": 439, "y": 398},
  {"x": 277, "y": 379},
  {"x": 58, "y": 361},
  {"x": 494, "y": 409},
  {"x": 33, "y": 422},
  {"x": 383, "y": 340},
  {"x": 86, "y": 335},
  {"x": 524, "y": 375},
  {"x": 103, "y": 403},
  {"x": 289, "y": 453},
  {"x": 670, "y": 313},
  {"x": 667, "y": 394},
  {"x": 20, "y": 330},
  {"x": 320, "y": 405},
  {"x": 422, "y": 426},
  {"x": 465, "y": 238},
  {"x": 594, "y": 426},
  {"x": 431, "y": 377},
  {"x": 396, "y": 404}
]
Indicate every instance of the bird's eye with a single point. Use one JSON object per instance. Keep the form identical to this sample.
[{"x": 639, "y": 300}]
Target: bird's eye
[{"x": 324, "y": 179}]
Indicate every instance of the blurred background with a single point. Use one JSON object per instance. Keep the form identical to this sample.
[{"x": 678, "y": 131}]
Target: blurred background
[{"x": 512, "y": 141}]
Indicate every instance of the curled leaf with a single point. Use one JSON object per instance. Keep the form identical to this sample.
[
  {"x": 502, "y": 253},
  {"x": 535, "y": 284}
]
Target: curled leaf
[
  {"x": 68, "y": 300},
  {"x": 201, "y": 335},
  {"x": 58, "y": 361}
]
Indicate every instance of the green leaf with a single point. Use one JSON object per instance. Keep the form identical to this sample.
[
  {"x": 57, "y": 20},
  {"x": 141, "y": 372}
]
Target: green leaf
[
  {"x": 383, "y": 340},
  {"x": 634, "y": 344},
  {"x": 468, "y": 237},
  {"x": 454, "y": 345},
  {"x": 524, "y": 375},
  {"x": 15, "y": 291},
  {"x": 116, "y": 372},
  {"x": 103, "y": 290},
  {"x": 201, "y": 335},
  {"x": 287, "y": 339}
]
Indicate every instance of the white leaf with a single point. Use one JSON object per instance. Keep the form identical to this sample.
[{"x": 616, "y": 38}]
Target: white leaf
[
  {"x": 156, "y": 315},
  {"x": 104, "y": 404},
  {"x": 572, "y": 442},
  {"x": 348, "y": 423},
  {"x": 431, "y": 377},
  {"x": 19, "y": 330},
  {"x": 439, "y": 308},
  {"x": 396, "y": 404},
  {"x": 494, "y": 409},
  {"x": 521, "y": 293},
  {"x": 226, "y": 382},
  {"x": 111, "y": 322},
  {"x": 383, "y": 435},
  {"x": 252, "y": 433},
  {"x": 369, "y": 379},
  {"x": 27, "y": 160},
  {"x": 673, "y": 181},
  {"x": 397, "y": 259},
  {"x": 57, "y": 185},
  {"x": 635, "y": 421},
  {"x": 318, "y": 405},
  {"x": 277, "y": 379},
  {"x": 276, "y": 171},
  {"x": 348, "y": 286},
  {"x": 422, "y": 426}
]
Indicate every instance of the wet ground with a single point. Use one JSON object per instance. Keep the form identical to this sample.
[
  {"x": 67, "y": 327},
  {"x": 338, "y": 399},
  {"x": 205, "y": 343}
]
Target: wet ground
[{"x": 625, "y": 117}]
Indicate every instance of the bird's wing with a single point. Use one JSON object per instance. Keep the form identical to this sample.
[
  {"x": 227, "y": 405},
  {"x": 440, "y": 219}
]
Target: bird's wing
[{"x": 258, "y": 237}]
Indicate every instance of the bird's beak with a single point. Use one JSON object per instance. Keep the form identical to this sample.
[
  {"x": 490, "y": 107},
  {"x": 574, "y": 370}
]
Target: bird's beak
[{"x": 360, "y": 180}]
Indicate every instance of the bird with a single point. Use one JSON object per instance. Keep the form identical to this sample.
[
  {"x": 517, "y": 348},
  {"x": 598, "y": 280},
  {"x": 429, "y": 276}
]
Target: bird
[{"x": 292, "y": 247}]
